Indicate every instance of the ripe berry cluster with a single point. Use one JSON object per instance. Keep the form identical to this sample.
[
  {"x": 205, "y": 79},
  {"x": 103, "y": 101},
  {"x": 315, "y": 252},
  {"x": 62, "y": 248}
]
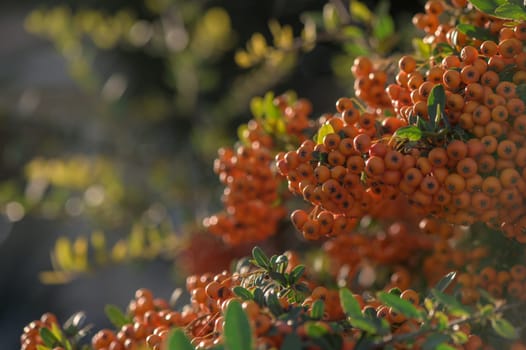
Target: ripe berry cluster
[{"x": 252, "y": 199}]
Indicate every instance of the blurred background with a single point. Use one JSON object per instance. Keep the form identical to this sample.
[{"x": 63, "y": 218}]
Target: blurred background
[{"x": 111, "y": 114}]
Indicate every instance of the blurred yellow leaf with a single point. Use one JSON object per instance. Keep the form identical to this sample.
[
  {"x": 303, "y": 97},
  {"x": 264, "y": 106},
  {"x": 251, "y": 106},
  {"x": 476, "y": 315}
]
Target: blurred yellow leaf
[
  {"x": 63, "y": 254},
  {"x": 257, "y": 45},
  {"x": 80, "y": 250},
  {"x": 243, "y": 59},
  {"x": 119, "y": 251},
  {"x": 360, "y": 11}
]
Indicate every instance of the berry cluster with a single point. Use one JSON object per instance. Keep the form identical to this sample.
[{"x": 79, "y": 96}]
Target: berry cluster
[{"x": 252, "y": 200}]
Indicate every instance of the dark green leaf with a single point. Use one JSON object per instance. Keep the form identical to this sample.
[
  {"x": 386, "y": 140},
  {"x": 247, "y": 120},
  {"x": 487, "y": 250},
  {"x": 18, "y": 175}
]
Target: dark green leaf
[
  {"x": 318, "y": 308},
  {"x": 260, "y": 259},
  {"x": 259, "y": 297},
  {"x": 399, "y": 305},
  {"x": 238, "y": 333},
  {"x": 476, "y": 32},
  {"x": 49, "y": 338},
  {"x": 243, "y": 293},
  {"x": 433, "y": 340},
  {"x": 273, "y": 304},
  {"x": 315, "y": 330},
  {"x": 511, "y": 11},
  {"x": 451, "y": 303},
  {"x": 504, "y": 328},
  {"x": 521, "y": 92},
  {"x": 291, "y": 342},
  {"x": 487, "y": 6},
  {"x": 365, "y": 325},
  {"x": 436, "y": 103},
  {"x": 445, "y": 281},
  {"x": 350, "y": 305},
  {"x": 410, "y": 132},
  {"x": 115, "y": 315},
  {"x": 177, "y": 340},
  {"x": 279, "y": 277},
  {"x": 296, "y": 274}
]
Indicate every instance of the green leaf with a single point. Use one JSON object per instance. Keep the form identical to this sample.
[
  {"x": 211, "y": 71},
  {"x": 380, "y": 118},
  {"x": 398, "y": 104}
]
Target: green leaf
[
  {"x": 364, "y": 324},
  {"x": 331, "y": 19},
  {"x": 410, "y": 133},
  {"x": 353, "y": 32},
  {"x": 260, "y": 259},
  {"x": 521, "y": 92},
  {"x": 436, "y": 103},
  {"x": 504, "y": 328},
  {"x": 399, "y": 305},
  {"x": 296, "y": 274},
  {"x": 177, "y": 340},
  {"x": 315, "y": 330},
  {"x": 459, "y": 337},
  {"x": 325, "y": 130},
  {"x": 273, "y": 304},
  {"x": 511, "y": 11},
  {"x": 116, "y": 316},
  {"x": 383, "y": 27},
  {"x": 434, "y": 340},
  {"x": 423, "y": 50},
  {"x": 318, "y": 308},
  {"x": 445, "y": 281},
  {"x": 451, "y": 303},
  {"x": 238, "y": 333},
  {"x": 276, "y": 276},
  {"x": 243, "y": 293},
  {"x": 259, "y": 297},
  {"x": 349, "y": 304},
  {"x": 476, "y": 32},
  {"x": 49, "y": 338},
  {"x": 360, "y": 11},
  {"x": 487, "y": 6},
  {"x": 43, "y": 347},
  {"x": 444, "y": 346},
  {"x": 291, "y": 342}
]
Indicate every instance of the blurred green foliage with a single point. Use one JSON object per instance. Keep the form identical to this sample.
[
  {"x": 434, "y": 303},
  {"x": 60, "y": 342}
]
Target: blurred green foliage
[{"x": 165, "y": 84}]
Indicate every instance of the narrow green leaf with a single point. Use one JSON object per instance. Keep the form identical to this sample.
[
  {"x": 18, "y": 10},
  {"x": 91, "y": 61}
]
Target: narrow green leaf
[
  {"x": 259, "y": 297},
  {"x": 349, "y": 304},
  {"x": 451, "y": 303},
  {"x": 487, "y": 6},
  {"x": 436, "y": 103},
  {"x": 116, "y": 316},
  {"x": 291, "y": 342},
  {"x": 410, "y": 132},
  {"x": 238, "y": 333},
  {"x": 511, "y": 11},
  {"x": 504, "y": 328},
  {"x": 459, "y": 337},
  {"x": 383, "y": 27},
  {"x": 521, "y": 92},
  {"x": 364, "y": 324},
  {"x": 360, "y": 11},
  {"x": 296, "y": 274},
  {"x": 445, "y": 281},
  {"x": 318, "y": 308},
  {"x": 256, "y": 107},
  {"x": 273, "y": 304},
  {"x": 177, "y": 340},
  {"x": 434, "y": 340},
  {"x": 276, "y": 276},
  {"x": 260, "y": 259},
  {"x": 43, "y": 347},
  {"x": 325, "y": 130},
  {"x": 331, "y": 19},
  {"x": 49, "y": 338},
  {"x": 243, "y": 293},
  {"x": 315, "y": 330},
  {"x": 399, "y": 305},
  {"x": 476, "y": 32},
  {"x": 444, "y": 346}
]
